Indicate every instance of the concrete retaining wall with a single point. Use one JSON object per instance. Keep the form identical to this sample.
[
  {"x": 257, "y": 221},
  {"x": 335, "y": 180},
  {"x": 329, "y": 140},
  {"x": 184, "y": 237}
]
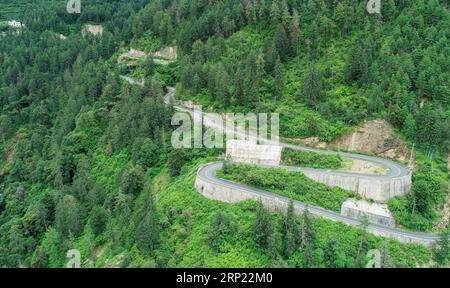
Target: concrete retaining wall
[
  {"x": 232, "y": 194},
  {"x": 375, "y": 213},
  {"x": 379, "y": 190},
  {"x": 248, "y": 152}
]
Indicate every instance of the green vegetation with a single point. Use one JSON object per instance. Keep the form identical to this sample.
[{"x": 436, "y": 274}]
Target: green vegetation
[
  {"x": 418, "y": 211},
  {"x": 291, "y": 157},
  {"x": 86, "y": 158},
  {"x": 197, "y": 232},
  {"x": 442, "y": 252},
  {"x": 13, "y": 9},
  {"x": 294, "y": 185}
]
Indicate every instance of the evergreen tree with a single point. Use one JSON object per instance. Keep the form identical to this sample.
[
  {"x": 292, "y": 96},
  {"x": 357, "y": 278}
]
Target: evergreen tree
[
  {"x": 313, "y": 89},
  {"x": 291, "y": 231},
  {"x": 307, "y": 239},
  {"x": 441, "y": 253},
  {"x": 278, "y": 80},
  {"x": 67, "y": 217},
  {"x": 281, "y": 41},
  {"x": 363, "y": 243},
  {"x": 295, "y": 33},
  {"x": 262, "y": 227},
  {"x": 334, "y": 256},
  {"x": 147, "y": 231},
  {"x": 221, "y": 231},
  {"x": 176, "y": 160}
]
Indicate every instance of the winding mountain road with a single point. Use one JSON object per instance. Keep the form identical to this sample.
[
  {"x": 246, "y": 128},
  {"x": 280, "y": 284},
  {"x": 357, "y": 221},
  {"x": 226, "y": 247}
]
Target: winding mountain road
[{"x": 207, "y": 174}]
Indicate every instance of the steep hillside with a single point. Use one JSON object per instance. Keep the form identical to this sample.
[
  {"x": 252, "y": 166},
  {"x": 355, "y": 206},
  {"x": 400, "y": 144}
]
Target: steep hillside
[{"x": 94, "y": 169}]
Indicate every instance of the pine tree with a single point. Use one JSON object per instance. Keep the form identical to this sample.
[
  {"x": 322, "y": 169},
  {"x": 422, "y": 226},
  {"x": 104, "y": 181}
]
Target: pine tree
[
  {"x": 278, "y": 80},
  {"x": 307, "y": 239},
  {"x": 262, "y": 227},
  {"x": 281, "y": 41},
  {"x": 334, "y": 256},
  {"x": 131, "y": 180},
  {"x": 147, "y": 232},
  {"x": 221, "y": 230},
  {"x": 441, "y": 253},
  {"x": 149, "y": 66},
  {"x": 16, "y": 245},
  {"x": 291, "y": 231},
  {"x": 274, "y": 245},
  {"x": 275, "y": 14},
  {"x": 313, "y": 89},
  {"x": 67, "y": 216},
  {"x": 295, "y": 33},
  {"x": 363, "y": 243},
  {"x": 175, "y": 161}
]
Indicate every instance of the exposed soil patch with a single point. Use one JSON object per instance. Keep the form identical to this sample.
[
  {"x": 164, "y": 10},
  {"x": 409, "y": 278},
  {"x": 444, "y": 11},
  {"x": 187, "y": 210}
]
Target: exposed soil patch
[
  {"x": 373, "y": 136},
  {"x": 169, "y": 53},
  {"x": 162, "y": 57},
  {"x": 92, "y": 29},
  {"x": 360, "y": 166}
]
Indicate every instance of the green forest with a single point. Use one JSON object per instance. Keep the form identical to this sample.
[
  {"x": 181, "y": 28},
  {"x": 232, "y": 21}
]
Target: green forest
[{"x": 86, "y": 161}]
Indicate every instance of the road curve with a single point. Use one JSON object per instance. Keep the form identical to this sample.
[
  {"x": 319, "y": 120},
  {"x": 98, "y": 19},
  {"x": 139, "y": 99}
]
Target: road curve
[
  {"x": 207, "y": 174},
  {"x": 394, "y": 169}
]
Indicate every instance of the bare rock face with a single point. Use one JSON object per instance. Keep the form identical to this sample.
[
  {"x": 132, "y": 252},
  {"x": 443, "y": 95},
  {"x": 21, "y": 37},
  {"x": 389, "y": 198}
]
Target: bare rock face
[
  {"x": 169, "y": 53},
  {"x": 375, "y": 136},
  {"x": 92, "y": 29}
]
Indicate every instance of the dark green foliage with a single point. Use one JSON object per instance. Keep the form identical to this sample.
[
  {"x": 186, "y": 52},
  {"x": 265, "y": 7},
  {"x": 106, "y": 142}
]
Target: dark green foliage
[
  {"x": 67, "y": 217},
  {"x": 78, "y": 143},
  {"x": 307, "y": 239},
  {"x": 222, "y": 231},
  {"x": 363, "y": 243},
  {"x": 176, "y": 159},
  {"x": 146, "y": 153},
  {"x": 147, "y": 231},
  {"x": 418, "y": 210},
  {"x": 98, "y": 219},
  {"x": 313, "y": 88},
  {"x": 442, "y": 251},
  {"x": 291, "y": 231},
  {"x": 334, "y": 256},
  {"x": 262, "y": 228},
  {"x": 131, "y": 180}
]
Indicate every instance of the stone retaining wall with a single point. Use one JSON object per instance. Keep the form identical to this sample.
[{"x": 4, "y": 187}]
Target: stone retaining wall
[
  {"x": 379, "y": 190},
  {"x": 231, "y": 194}
]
